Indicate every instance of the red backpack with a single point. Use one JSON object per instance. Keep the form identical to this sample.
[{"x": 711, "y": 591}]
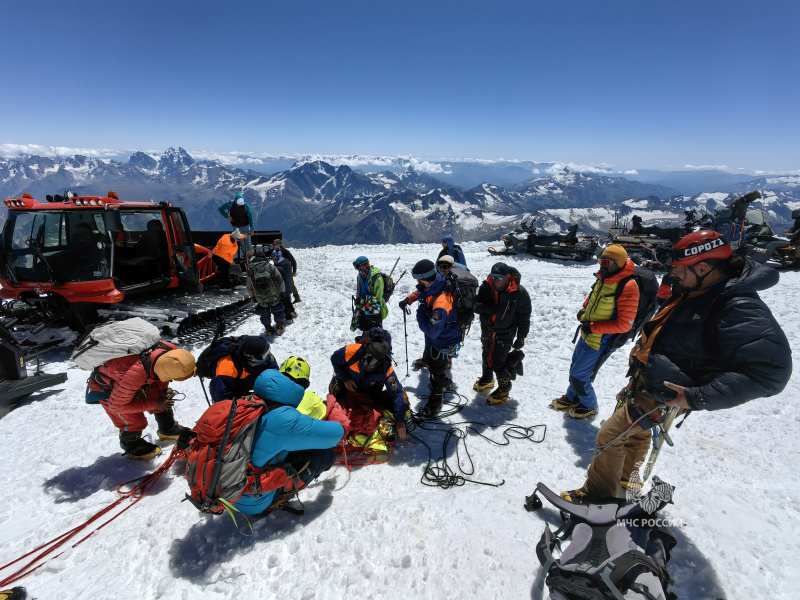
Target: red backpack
[{"x": 216, "y": 482}]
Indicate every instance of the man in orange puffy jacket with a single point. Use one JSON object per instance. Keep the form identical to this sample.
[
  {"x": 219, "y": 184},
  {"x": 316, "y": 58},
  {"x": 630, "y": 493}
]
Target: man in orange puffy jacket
[
  {"x": 224, "y": 251},
  {"x": 129, "y": 386},
  {"x": 601, "y": 318}
]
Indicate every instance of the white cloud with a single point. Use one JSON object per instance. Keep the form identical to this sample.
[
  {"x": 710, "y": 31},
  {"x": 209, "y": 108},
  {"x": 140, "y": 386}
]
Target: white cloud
[
  {"x": 579, "y": 168},
  {"x": 761, "y": 173},
  {"x": 630, "y": 172},
  {"x": 16, "y": 150},
  {"x": 707, "y": 167}
]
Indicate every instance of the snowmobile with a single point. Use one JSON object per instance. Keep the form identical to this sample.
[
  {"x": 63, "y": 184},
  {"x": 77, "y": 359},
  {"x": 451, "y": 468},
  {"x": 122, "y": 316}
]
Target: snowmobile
[
  {"x": 562, "y": 246},
  {"x": 763, "y": 246},
  {"x": 84, "y": 259}
]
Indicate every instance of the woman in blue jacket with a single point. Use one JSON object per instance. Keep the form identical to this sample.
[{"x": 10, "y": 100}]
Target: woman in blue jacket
[{"x": 285, "y": 434}]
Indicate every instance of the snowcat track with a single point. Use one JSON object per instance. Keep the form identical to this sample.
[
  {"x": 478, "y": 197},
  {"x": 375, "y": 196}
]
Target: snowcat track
[{"x": 188, "y": 319}]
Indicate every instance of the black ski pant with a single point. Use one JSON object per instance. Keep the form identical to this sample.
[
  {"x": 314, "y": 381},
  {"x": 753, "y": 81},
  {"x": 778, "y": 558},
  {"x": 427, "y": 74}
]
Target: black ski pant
[
  {"x": 437, "y": 363},
  {"x": 318, "y": 461},
  {"x": 495, "y": 350},
  {"x": 223, "y": 271},
  {"x": 367, "y": 322}
]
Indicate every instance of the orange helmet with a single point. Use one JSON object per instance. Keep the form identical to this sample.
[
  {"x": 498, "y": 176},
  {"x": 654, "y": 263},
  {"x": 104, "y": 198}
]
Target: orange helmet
[{"x": 694, "y": 248}]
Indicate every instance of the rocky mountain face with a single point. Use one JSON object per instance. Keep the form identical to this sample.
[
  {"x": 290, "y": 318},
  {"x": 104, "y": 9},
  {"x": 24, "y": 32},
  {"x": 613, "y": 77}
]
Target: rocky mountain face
[{"x": 318, "y": 203}]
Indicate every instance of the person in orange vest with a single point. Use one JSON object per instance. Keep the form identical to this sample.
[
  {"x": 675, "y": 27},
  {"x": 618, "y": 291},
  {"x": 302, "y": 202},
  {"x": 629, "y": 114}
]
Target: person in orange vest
[{"x": 224, "y": 251}]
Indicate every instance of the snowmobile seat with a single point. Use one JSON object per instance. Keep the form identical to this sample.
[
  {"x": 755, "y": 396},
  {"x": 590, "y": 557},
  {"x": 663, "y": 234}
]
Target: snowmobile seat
[{"x": 570, "y": 237}]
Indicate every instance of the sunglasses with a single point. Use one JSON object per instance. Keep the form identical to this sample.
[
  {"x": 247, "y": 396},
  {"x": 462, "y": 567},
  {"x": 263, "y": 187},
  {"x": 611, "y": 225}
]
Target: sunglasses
[
  {"x": 444, "y": 265},
  {"x": 498, "y": 277}
]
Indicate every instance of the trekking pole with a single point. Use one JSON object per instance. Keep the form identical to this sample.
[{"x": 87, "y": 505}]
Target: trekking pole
[
  {"x": 658, "y": 443},
  {"x": 405, "y": 330},
  {"x": 395, "y": 265}
]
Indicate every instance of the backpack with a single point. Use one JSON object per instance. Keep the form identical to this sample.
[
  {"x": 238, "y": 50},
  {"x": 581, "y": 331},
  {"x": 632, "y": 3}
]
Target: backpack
[
  {"x": 613, "y": 548},
  {"x": 265, "y": 282},
  {"x": 463, "y": 285},
  {"x": 114, "y": 340},
  {"x": 388, "y": 285},
  {"x": 216, "y": 351},
  {"x": 648, "y": 302},
  {"x": 216, "y": 482}
]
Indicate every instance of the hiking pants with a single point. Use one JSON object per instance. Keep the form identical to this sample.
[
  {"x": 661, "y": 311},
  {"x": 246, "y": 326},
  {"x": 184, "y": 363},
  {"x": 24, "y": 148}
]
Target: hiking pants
[
  {"x": 266, "y": 312},
  {"x": 620, "y": 459},
  {"x": 586, "y": 362},
  {"x": 223, "y": 271},
  {"x": 318, "y": 461},
  {"x": 495, "y": 352},
  {"x": 437, "y": 364},
  {"x": 130, "y": 421},
  {"x": 367, "y": 322}
]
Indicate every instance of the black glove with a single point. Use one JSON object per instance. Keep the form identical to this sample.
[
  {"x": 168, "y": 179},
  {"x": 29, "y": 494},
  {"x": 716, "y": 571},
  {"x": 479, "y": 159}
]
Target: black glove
[
  {"x": 586, "y": 327},
  {"x": 403, "y": 304},
  {"x": 519, "y": 343}
]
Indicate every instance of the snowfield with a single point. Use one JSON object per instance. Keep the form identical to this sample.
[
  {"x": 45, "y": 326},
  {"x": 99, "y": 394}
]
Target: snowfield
[{"x": 378, "y": 532}]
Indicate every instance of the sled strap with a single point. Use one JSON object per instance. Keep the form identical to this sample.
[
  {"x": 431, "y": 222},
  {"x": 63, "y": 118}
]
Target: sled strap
[{"x": 604, "y": 575}]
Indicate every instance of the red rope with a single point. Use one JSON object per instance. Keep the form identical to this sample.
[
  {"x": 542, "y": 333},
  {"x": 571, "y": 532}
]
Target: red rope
[{"x": 136, "y": 493}]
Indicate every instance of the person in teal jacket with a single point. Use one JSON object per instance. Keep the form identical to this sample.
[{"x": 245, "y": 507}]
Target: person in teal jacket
[
  {"x": 285, "y": 434},
  {"x": 238, "y": 212}
]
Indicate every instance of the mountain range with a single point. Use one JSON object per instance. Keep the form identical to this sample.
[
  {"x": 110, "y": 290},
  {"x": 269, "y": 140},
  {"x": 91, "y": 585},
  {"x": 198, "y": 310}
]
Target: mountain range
[{"x": 314, "y": 202}]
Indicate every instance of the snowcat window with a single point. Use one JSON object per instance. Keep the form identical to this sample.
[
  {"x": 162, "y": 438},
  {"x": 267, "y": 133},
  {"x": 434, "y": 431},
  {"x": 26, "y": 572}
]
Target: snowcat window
[{"x": 70, "y": 244}]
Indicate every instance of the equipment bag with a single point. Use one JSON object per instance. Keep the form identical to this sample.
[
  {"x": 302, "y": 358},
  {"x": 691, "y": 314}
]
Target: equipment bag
[
  {"x": 266, "y": 282},
  {"x": 114, "y": 340},
  {"x": 219, "y": 349},
  {"x": 388, "y": 285},
  {"x": 463, "y": 285},
  {"x": 648, "y": 302},
  {"x": 218, "y": 468},
  {"x": 612, "y": 551}
]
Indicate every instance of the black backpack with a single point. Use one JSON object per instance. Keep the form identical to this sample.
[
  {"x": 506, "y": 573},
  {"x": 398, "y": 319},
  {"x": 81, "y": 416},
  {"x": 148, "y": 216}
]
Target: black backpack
[
  {"x": 609, "y": 551},
  {"x": 388, "y": 285},
  {"x": 463, "y": 286},
  {"x": 219, "y": 349},
  {"x": 648, "y": 302}
]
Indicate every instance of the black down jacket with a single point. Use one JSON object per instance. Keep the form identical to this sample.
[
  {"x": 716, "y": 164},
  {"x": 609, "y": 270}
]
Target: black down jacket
[
  {"x": 504, "y": 313},
  {"x": 723, "y": 345}
]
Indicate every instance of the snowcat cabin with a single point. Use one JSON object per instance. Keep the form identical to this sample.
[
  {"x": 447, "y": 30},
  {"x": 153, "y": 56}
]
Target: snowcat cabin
[{"x": 93, "y": 249}]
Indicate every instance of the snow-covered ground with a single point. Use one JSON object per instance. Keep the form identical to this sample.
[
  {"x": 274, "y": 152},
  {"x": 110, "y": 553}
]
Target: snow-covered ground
[{"x": 377, "y": 531}]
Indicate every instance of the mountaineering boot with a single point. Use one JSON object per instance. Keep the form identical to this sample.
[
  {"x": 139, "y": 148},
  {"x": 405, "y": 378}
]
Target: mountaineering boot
[
  {"x": 270, "y": 329},
  {"x": 501, "y": 393},
  {"x": 293, "y": 315},
  {"x": 137, "y": 448},
  {"x": 168, "y": 428},
  {"x": 433, "y": 406},
  {"x": 581, "y": 412},
  {"x": 280, "y": 328},
  {"x": 564, "y": 403},
  {"x": 579, "y": 496},
  {"x": 447, "y": 384},
  {"x": 481, "y": 386},
  {"x": 288, "y": 322},
  {"x": 419, "y": 364}
]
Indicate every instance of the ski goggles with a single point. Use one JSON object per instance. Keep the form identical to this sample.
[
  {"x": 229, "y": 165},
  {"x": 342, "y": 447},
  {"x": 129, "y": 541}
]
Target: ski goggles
[
  {"x": 357, "y": 265},
  {"x": 444, "y": 265},
  {"x": 256, "y": 359},
  {"x": 606, "y": 262},
  {"x": 370, "y": 362}
]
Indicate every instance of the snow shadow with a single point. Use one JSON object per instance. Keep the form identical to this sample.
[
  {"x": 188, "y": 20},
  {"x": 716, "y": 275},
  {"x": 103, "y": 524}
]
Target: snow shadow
[
  {"x": 214, "y": 539},
  {"x": 581, "y": 434},
  {"x": 7, "y": 407},
  {"x": 692, "y": 572},
  {"x": 106, "y": 473}
]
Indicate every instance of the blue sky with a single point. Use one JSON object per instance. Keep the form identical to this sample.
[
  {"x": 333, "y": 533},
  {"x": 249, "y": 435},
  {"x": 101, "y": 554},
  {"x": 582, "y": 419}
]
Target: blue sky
[{"x": 629, "y": 83}]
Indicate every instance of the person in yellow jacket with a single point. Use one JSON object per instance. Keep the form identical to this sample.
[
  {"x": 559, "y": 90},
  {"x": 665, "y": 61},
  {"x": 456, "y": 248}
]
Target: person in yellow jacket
[
  {"x": 224, "y": 251},
  {"x": 601, "y": 317}
]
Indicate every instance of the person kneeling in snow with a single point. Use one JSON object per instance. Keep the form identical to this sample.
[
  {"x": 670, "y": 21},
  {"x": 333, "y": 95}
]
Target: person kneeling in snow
[
  {"x": 361, "y": 371},
  {"x": 235, "y": 374},
  {"x": 287, "y": 434},
  {"x": 128, "y": 386},
  {"x": 713, "y": 345}
]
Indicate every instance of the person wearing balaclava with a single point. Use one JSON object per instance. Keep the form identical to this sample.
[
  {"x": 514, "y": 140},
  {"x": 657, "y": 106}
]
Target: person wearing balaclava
[
  {"x": 601, "y": 317},
  {"x": 236, "y": 372},
  {"x": 238, "y": 212}
]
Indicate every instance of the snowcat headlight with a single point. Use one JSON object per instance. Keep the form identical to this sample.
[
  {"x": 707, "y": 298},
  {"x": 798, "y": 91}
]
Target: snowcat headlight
[
  {"x": 92, "y": 203},
  {"x": 100, "y": 203}
]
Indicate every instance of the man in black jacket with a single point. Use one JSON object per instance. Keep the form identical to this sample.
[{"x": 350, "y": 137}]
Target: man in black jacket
[
  {"x": 713, "y": 345},
  {"x": 504, "y": 307}
]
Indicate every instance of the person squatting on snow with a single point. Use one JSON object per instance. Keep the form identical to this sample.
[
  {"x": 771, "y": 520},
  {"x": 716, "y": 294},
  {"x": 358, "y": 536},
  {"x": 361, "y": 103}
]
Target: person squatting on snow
[
  {"x": 287, "y": 434},
  {"x": 436, "y": 317},
  {"x": 504, "y": 307},
  {"x": 450, "y": 248},
  {"x": 602, "y": 316},
  {"x": 370, "y": 308},
  {"x": 285, "y": 267},
  {"x": 277, "y": 244},
  {"x": 712, "y": 346},
  {"x": 235, "y": 374},
  {"x": 361, "y": 372},
  {"x": 128, "y": 387},
  {"x": 238, "y": 212},
  {"x": 224, "y": 252}
]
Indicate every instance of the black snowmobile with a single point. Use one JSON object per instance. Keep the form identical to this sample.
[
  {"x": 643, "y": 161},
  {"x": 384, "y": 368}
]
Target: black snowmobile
[
  {"x": 561, "y": 246},
  {"x": 763, "y": 246}
]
